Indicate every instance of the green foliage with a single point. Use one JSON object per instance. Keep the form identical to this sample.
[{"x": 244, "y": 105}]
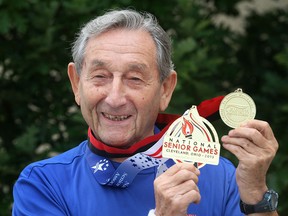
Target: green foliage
[
  {"x": 38, "y": 117},
  {"x": 264, "y": 74}
]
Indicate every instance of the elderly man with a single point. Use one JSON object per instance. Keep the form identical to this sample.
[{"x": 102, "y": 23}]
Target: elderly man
[{"x": 122, "y": 78}]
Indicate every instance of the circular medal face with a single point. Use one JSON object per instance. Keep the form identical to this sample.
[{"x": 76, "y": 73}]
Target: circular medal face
[{"x": 236, "y": 108}]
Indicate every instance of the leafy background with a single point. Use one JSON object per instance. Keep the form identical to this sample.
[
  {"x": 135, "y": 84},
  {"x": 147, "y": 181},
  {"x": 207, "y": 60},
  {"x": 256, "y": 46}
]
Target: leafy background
[{"x": 218, "y": 46}]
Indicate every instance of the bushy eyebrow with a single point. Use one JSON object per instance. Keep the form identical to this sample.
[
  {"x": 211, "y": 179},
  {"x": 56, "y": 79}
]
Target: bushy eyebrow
[
  {"x": 137, "y": 67},
  {"x": 133, "y": 66},
  {"x": 97, "y": 63}
]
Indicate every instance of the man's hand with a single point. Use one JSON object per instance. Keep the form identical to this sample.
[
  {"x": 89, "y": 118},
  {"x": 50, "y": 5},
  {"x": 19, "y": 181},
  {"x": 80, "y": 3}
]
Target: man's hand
[
  {"x": 255, "y": 146},
  {"x": 176, "y": 189}
]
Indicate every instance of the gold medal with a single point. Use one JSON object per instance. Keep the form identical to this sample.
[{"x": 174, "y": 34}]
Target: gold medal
[
  {"x": 236, "y": 108},
  {"x": 192, "y": 139}
]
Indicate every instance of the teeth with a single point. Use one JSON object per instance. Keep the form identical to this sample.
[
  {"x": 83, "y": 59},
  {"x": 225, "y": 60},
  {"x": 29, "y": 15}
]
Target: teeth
[{"x": 115, "y": 118}]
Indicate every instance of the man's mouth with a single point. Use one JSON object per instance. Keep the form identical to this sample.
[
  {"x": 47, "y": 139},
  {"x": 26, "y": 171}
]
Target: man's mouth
[{"x": 115, "y": 117}]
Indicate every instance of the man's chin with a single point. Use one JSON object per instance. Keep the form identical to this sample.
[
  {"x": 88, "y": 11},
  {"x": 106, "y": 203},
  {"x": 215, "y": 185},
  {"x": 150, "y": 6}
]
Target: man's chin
[{"x": 118, "y": 143}]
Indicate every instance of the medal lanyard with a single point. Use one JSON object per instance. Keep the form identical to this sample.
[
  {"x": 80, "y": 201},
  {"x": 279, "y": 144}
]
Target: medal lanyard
[{"x": 105, "y": 173}]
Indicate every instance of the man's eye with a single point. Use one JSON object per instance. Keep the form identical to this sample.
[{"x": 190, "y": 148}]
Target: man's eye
[
  {"x": 135, "y": 78},
  {"x": 99, "y": 76},
  {"x": 100, "y": 79},
  {"x": 135, "y": 81}
]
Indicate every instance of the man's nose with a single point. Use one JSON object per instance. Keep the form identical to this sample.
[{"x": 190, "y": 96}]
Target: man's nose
[{"x": 116, "y": 95}]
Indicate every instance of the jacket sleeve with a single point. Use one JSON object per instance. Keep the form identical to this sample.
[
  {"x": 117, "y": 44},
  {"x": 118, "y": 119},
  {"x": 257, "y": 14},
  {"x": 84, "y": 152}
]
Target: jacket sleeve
[{"x": 33, "y": 195}]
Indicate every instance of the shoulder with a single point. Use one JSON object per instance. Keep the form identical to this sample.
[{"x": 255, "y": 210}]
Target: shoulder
[{"x": 62, "y": 161}]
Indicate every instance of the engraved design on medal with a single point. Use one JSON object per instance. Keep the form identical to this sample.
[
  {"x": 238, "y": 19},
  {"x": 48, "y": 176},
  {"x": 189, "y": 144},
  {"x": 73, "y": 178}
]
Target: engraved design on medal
[
  {"x": 193, "y": 139},
  {"x": 236, "y": 108}
]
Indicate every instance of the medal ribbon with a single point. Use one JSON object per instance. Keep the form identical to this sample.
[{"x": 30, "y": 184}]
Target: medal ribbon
[{"x": 122, "y": 177}]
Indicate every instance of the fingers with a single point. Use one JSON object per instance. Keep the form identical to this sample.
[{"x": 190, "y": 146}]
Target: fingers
[
  {"x": 252, "y": 135},
  {"x": 176, "y": 189},
  {"x": 179, "y": 176},
  {"x": 182, "y": 166},
  {"x": 247, "y": 139},
  {"x": 262, "y": 126}
]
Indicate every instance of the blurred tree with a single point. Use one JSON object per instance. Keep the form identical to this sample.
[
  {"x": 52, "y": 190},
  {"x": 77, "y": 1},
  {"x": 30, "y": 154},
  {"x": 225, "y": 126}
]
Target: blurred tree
[
  {"x": 262, "y": 61},
  {"x": 38, "y": 116}
]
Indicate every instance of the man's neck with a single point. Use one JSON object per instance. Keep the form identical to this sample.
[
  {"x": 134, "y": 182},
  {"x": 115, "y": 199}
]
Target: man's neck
[{"x": 118, "y": 160}]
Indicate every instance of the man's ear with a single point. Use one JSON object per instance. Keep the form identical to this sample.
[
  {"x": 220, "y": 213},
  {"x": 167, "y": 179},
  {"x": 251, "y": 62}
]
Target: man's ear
[
  {"x": 167, "y": 89},
  {"x": 74, "y": 80}
]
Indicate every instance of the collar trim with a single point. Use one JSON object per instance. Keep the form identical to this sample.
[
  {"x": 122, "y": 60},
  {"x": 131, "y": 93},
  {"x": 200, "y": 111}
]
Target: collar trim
[{"x": 104, "y": 150}]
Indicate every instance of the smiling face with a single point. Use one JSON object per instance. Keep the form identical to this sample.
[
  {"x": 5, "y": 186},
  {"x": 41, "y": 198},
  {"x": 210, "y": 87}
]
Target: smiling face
[{"x": 118, "y": 90}]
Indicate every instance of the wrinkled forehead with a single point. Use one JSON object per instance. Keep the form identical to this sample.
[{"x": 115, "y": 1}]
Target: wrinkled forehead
[{"x": 122, "y": 41}]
